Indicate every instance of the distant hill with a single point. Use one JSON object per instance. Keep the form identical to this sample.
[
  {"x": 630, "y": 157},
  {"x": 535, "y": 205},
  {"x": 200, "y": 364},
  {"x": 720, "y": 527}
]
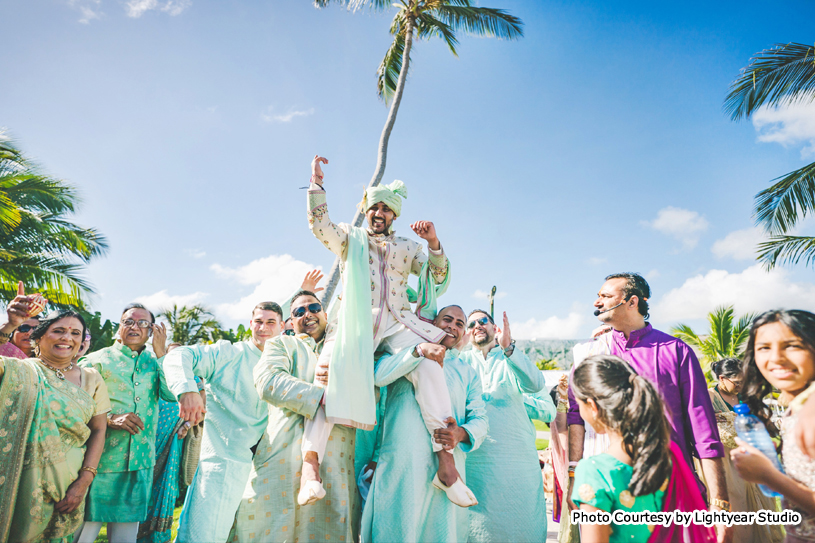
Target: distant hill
[{"x": 557, "y": 349}]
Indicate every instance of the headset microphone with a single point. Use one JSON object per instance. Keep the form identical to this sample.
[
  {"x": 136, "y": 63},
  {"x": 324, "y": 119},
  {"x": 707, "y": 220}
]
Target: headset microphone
[{"x": 597, "y": 312}]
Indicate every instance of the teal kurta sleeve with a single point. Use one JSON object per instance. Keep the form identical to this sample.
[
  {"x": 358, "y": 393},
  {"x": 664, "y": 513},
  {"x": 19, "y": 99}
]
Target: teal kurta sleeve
[
  {"x": 181, "y": 365},
  {"x": 539, "y": 406},
  {"x": 391, "y": 367},
  {"x": 276, "y": 380},
  {"x": 475, "y": 423},
  {"x": 529, "y": 377}
]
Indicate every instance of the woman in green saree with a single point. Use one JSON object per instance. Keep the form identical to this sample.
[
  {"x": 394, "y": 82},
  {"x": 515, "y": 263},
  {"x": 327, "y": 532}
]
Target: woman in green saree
[{"x": 52, "y": 430}]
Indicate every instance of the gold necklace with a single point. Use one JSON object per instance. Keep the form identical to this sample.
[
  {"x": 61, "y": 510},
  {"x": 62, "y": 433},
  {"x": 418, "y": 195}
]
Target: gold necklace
[{"x": 58, "y": 371}]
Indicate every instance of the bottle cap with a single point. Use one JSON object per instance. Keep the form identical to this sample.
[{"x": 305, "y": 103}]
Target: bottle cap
[{"x": 742, "y": 409}]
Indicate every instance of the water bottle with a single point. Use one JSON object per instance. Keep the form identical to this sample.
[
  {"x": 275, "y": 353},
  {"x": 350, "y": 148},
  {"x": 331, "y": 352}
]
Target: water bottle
[{"x": 752, "y": 431}]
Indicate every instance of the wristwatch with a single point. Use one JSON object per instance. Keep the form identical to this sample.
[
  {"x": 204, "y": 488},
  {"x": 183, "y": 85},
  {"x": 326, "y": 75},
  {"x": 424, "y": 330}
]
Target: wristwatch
[{"x": 511, "y": 349}]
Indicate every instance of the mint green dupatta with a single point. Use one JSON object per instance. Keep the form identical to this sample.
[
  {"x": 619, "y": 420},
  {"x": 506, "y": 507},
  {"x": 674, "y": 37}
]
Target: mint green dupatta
[
  {"x": 349, "y": 398},
  {"x": 18, "y": 399},
  {"x": 426, "y": 299}
]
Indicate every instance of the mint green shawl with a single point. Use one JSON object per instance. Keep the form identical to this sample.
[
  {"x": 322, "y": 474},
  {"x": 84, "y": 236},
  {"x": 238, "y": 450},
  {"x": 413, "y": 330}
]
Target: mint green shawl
[{"x": 349, "y": 398}]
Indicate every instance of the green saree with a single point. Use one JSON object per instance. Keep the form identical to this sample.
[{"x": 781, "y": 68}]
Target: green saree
[{"x": 43, "y": 430}]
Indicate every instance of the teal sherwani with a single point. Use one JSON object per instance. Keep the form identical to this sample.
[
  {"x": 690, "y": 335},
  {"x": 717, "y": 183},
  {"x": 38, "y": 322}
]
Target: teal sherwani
[
  {"x": 269, "y": 511},
  {"x": 121, "y": 490},
  {"x": 235, "y": 420},
  {"x": 504, "y": 473},
  {"x": 402, "y": 503}
]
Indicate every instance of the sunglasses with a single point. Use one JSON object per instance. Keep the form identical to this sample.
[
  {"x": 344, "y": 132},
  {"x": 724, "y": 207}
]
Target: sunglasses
[
  {"x": 314, "y": 308},
  {"x": 288, "y": 332},
  {"x": 130, "y": 323},
  {"x": 23, "y": 328},
  {"x": 483, "y": 321}
]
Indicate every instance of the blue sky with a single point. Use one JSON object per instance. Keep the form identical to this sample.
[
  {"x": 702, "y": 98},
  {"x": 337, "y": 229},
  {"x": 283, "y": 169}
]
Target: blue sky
[{"x": 595, "y": 144}]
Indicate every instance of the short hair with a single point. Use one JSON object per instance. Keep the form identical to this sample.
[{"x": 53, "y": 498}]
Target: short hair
[
  {"x": 303, "y": 292},
  {"x": 54, "y": 316},
  {"x": 635, "y": 285},
  {"x": 487, "y": 313},
  {"x": 448, "y": 307},
  {"x": 136, "y": 305},
  {"x": 268, "y": 306}
]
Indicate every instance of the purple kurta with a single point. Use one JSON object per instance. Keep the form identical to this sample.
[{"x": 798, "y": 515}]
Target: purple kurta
[{"x": 669, "y": 364}]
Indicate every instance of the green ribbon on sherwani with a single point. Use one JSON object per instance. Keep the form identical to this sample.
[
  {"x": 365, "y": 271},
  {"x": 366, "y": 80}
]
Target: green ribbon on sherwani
[{"x": 350, "y": 392}]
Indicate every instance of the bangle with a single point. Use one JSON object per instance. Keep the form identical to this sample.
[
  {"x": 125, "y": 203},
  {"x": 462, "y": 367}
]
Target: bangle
[
  {"x": 724, "y": 505},
  {"x": 90, "y": 469},
  {"x": 419, "y": 351}
]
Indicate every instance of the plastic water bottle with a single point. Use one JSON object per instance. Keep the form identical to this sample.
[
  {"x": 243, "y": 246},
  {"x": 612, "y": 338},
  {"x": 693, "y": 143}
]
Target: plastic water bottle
[{"x": 751, "y": 430}]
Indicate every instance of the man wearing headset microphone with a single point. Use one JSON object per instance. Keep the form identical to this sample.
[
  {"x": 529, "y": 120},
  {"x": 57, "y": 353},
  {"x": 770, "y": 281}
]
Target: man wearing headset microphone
[{"x": 668, "y": 363}]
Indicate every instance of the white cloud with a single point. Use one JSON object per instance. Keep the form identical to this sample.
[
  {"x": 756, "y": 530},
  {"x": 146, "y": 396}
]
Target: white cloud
[
  {"x": 162, "y": 300},
  {"x": 195, "y": 253},
  {"x": 137, "y": 8},
  {"x": 484, "y": 295},
  {"x": 653, "y": 274},
  {"x": 551, "y": 328},
  {"x": 681, "y": 224},
  {"x": 752, "y": 290},
  {"x": 275, "y": 277},
  {"x": 789, "y": 124},
  {"x": 740, "y": 244},
  {"x": 88, "y": 8},
  {"x": 269, "y": 117}
]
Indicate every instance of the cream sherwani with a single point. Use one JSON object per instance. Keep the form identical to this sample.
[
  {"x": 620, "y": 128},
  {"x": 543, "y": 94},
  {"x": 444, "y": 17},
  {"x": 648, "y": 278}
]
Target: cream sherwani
[{"x": 269, "y": 511}]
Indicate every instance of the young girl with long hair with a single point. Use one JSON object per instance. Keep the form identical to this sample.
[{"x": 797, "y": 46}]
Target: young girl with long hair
[
  {"x": 642, "y": 470},
  {"x": 781, "y": 353}
]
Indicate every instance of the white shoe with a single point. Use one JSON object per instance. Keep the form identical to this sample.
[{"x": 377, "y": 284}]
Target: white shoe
[
  {"x": 310, "y": 493},
  {"x": 458, "y": 493}
]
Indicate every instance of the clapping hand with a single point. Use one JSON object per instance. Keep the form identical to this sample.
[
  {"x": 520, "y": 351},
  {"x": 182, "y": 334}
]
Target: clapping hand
[
  {"x": 310, "y": 281},
  {"x": 316, "y": 170}
]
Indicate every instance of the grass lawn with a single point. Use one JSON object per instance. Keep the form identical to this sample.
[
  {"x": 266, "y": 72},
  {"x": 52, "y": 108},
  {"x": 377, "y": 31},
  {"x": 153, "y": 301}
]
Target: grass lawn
[
  {"x": 540, "y": 426},
  {"x": 103, "y": 535},
  {"x": 541, "y": 444}
]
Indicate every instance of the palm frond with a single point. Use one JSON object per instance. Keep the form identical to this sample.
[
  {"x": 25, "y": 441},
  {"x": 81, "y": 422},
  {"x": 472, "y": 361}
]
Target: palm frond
[
  {"x": 388, "y": 72},
  {"x": 787, "y": 250},
  {"x": 779, "y": 207},
  {"x": 686, "y": 334},
  {"x": 721, "y": 330},
  {"x": 427, "y": 26},
  {"x": 741, "y": 333},
  {"x": 479, "y": 21},
  {"x": 784, "y": 73}
]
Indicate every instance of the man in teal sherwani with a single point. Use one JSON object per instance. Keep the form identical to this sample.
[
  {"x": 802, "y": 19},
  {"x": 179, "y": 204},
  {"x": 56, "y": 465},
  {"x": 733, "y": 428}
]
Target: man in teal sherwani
[
  {"x": 235, "y": 421},
  {"x": 285, "y": 380},
  {"x": 402, "y": 504},
  {"x": 505, "y": 472}
]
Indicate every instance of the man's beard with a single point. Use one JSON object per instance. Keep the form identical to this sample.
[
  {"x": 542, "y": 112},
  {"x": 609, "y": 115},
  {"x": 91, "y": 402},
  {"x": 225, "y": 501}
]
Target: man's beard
[{"x": 486, "y": 341}]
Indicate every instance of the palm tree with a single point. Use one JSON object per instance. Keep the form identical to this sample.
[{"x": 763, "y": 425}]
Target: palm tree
[
  {"x": 781, "y": 75},
  {"x": 190, "y": 325},
  {"x": 39, "y": 245},
  {"x": 421, "y": 19},
  {"x": 726, "y": 338},
  {"x": 233, "y": 336}
]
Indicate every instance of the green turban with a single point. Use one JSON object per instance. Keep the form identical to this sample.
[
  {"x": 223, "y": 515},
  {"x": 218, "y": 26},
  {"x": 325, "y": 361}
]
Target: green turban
[{"x": 390, "y": 195}]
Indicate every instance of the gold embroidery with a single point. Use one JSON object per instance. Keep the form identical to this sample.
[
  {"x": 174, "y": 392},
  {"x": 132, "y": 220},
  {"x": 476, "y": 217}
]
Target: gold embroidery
[
  {"x": 627, "y": 499},
  {"x": 586, "y": 492}
]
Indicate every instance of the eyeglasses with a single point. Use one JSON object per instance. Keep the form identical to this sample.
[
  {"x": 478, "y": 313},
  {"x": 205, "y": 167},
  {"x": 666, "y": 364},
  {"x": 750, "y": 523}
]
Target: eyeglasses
[
  {"x": 314, "y": 308},
  {"x": 24, "y": 328},
  {"x": 288, "y": 332},
  {"x": 735, "y": 382},
  {"x": 483, "y": 321},
  {"x": 130, "y": 323}
]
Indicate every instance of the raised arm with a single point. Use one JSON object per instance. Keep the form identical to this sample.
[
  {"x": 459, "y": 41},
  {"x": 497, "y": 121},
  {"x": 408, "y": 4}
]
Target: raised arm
[
  {"x": 276, "y": 383},
  {"x": 527, "y": 375},
  {"x": 438, "y": 260},
  {"x": 332, "y": 235}
]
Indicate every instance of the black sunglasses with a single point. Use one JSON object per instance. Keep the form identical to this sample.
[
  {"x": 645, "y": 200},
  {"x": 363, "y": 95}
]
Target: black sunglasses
[
  {"x": 23, "y": 328},
  {"x": 482, "y": 321},
  {"x": 314, "y": 308}
]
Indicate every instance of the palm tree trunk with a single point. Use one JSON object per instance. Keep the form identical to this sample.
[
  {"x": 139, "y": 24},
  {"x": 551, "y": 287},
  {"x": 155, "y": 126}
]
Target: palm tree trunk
[{"x": 382, "y": 155}]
